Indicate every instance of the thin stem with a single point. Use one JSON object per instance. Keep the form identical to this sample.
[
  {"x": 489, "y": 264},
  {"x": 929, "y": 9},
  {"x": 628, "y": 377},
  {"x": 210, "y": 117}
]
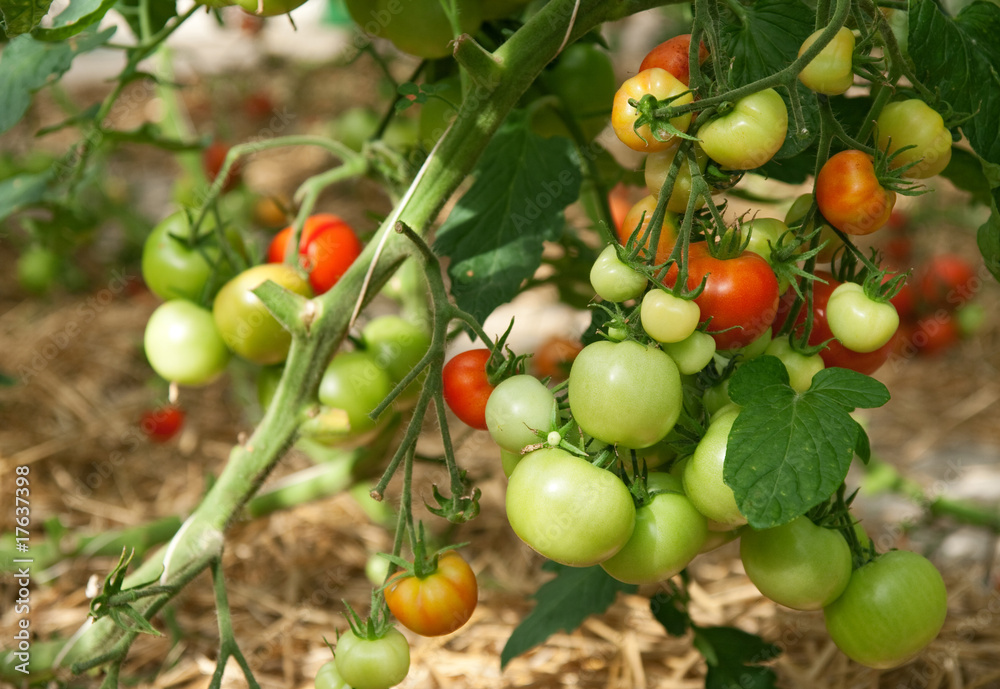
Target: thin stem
[{"x": 228, "y": 648}]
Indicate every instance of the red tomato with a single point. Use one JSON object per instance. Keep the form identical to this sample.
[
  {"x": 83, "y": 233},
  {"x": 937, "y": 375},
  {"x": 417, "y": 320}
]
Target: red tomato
[
  {"x": 327, "y": 248},
  {"x": 904, "y": 301},
  {"x": 741, "y": 293},
  {"x": 947, "y": 281},
  {"x": 620, "y": 203},
  {"x": 934, "y": 334},
  {"x": 835, "y": 353},
  {"x": 467, "y": 387},
  {"x": 673, "y": 56},
  {"x": 849, "y": 195},
  {"x": 212, "y": 160},
  {"x": 161, "y": 424},
  {"x": 436, "y": 604},
  {"x": 554, "y": 357}
]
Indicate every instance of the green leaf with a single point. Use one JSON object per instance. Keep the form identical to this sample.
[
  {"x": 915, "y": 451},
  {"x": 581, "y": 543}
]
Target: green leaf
[
  {"x": 960, "y": 59},
  {"x": 988, "y": 237},
  {"x": 160, "y": 13},
  {"x": 734, "y": 657},
  {"x": 495, "y": 233},
  {"x": 787, "y": 452},
  {"x": 21, "y": 16},
  {"x": 762, "y": 39},
  {"x": 669, "y": 610},
  {"x": 79, "y": 15},
  {"x": 26, "y": 65},
  {"x": 563, "y": 604},
  {"x": 966, "y": 171},
  {"x": 22, "y": 190}
]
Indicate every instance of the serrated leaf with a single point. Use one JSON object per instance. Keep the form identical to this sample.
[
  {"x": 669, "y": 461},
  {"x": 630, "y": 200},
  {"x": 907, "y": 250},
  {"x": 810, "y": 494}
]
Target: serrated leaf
[
  {"x": 563, "y": 604},
  {"x": 21, "y": 16},
  {"x": 78, "y": 16},
  {"x": 160, "y": 13},
  {"x": 494, "y": 235},
  {"x": 988, "y": 237},
  {"x": 960, "y": 59},
  {"x": 22, "y": 190},
  {"x": 787, "y": 452},
  {"x": 763, "y": 39},
  {"x": 734, "y": 658},
  {"x": 26, "y": 65}
]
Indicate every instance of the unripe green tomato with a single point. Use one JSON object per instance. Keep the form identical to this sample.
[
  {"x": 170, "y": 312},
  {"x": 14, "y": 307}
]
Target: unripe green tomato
[
  {"x": 183, "y": 345},
  {"x": 764, "y": 233},
  {"x": 757, "y": 347},
  {"x": 170, "y": 267},
  {"x": 245, "y": 324},
  {"x": 397, "y": 345},
  {"x": 614, "y": 280},
  {"x": 37, "y": 269},
  {"x": 355, "y": 126},
  {"x": 914, "y": 123},
  {"x": 861, "y": 324},
  {"x": 799, "y": 564},
  {"x": 373, "y": 663},
  {"x": 269, "y": 8},
  {"x": 668, "y": 318},
  {"x": 801, "y": 368},
  {"x": 832, "y": 71},
  {"x": 355, "y": 383},
  {"x": 376, "y": 569},
  {"x": 716, "y": 397},
  {"x": 328, "y": 677},
  {"x": 703, "y": 482},
  {"x": 583, "y": 79},
  {"x": 693, "y": 353},
  {"x": 517, "y": 409},
  {"x": 417, "y": 27},
  {"x": 509, "y": 460},
  {"x": 750, "y": 134}
]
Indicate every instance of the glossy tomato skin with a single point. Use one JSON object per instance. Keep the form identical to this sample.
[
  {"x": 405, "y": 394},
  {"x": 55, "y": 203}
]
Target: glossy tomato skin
[
  {"x": 673, "y": 55},
  {"x": 163, "y": 423},
  {"x": 661, "y": 84},
  {"x": 849, "y": 195},
  {"x": 565, "y": 508},
  {"x": 327, "y": 248},
  {"x": 667, "y": 318},
  {"x": 625, "y": 393},
  {"x": 245, "y": 324},
  {"x": 799, "y": 564},
  {"x": 614, "y": 280},
  {"x": 171, "y": 268},
  {"x": 832, "y": 71},
  {"x": 750, "y": 134},
  {"x": 518, "y": 409},
  {"x": 356, "y": 384},
  {"x": 373, "y": 663},
  {"x": 668, "y": 533},
  {"x": 328, "y": 677},
  {"x": 183, "y": 345},
  {"x": 740, "y": 293},
  {"x": 860, "y": 323},
  {"x": 702, "y": 476},
  {"x": 914, "y": 123},
  {"x": 437, "y": 604},
  {"x": 467, "y": 387},
  {"x": 693, "y": 353},
  {"x": 636, "y": 221},
  {"x": 891, "y": 609}
]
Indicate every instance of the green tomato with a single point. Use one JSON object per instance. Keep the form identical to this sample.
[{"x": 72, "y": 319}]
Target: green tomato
[
  {"x": 373, "y": 663},
  {"x": 583, "y": 79},
  {"x": 509, "y": 460},
  {"x": 567, "y": 509},
  {"x": 269, "y": 8},
  {"x": 801, "y": 368},
  {"x": 799, "y": 564},
  {"x": 891, "y": 609},
  {"x": 614, "y": 280},
  {"x": 914, "y": 123},
  {"x": 623, "y": 392},
  {"x": 327, "y": 677},
  {"x": 171, "y": 268},
  {"x": 668, "y": 533},
  {"x": 703, "y": 482},
  {"x": 355, "y": 383},
  {"x": 749, "y": 134},
  {"x": 831, "y": 72},
  {"x": 37, "y": 269},
  {"x": 397, "y": 345},
  {"x": 716, "y": 397},
  {"x": 246, "y": 325},
  {"x": 417, "y": 27},
  {"x": 693, "y": 353},
  {"x": 518, "y": 408},
  {"x": 355, "y": 126},
  {"x": 861, "y": 324},
  {"x": 757, "y": 347},
  {"x": 667, "y": 318},
  {"x": 183, "y": 345}
]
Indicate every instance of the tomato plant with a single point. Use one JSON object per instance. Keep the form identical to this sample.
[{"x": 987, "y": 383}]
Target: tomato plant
[
  {"x": 176, "y": 266},
  {"x": 749, "y": 134},
  {"x": 435, "y": 604},
  {"x": 355, "y": 383},
  {"x": 660, "y": 84},
  {"x": 567, "y": 509},
  {"x": 912, "y": 122},
  {"x": 583, "y": 80},
  {"x": 378, "y": 663},
  {"x": 667, "y": 318},
  {"x": 614, "y": 280},
  {"x": 327, "y": 248},
  {"x": 850, "y": 196},
  {"x": 183, "y": 345},
  {"x": 831, "y": 72},
  {"x": 861, "y": 323},
  {"x": 625, "y": 393},
  {"x": 328, "y": 677},
  {"x": 213, "y": 158},
  {"x": 417, "y": 27},
  {"x": 269, "y": 8},
  {"x": 892, "y": 607},
  {"x": 467, "y": 386},
  {"x": 658, "y": 167},
  {"x": 518, "y": 409}
]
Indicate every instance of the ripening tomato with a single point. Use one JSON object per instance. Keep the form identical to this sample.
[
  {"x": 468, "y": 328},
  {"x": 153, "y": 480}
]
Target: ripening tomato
[
  {"x": 850, "y": 196},
  {"x": 637, "y": 220},
  {"x": 661, "y": 84},
  {"x": 832, "y": 71},
  {"x": 749, "y": 134},
  {"x": 467, "y": 386},
  {"x": 947, "y": 281},
  {"x": 438, "y": 603},
  {"x": 327, "y": 248},
  {"x": 673, "y": 55},
  {"x": 914, "y": 123},
  {"x": 934, "y": 334},
  {"x": 554, "y": 357},
  {"x": 658, "y": 168},
  {"x": 740, "y": 295}
]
